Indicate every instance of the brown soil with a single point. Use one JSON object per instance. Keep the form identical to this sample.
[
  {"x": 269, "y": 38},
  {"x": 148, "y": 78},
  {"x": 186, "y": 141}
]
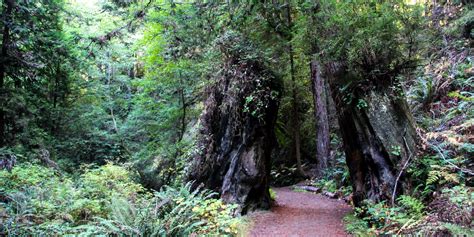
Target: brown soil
[{"x": 300, "y": 214}]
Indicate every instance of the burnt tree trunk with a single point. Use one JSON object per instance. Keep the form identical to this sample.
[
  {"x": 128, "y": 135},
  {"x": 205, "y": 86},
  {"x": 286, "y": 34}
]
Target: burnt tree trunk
[
  {"x": 321, "y": 115},
  {"x": 378, "y": 133},
  {"x": 237, "y": 129}
]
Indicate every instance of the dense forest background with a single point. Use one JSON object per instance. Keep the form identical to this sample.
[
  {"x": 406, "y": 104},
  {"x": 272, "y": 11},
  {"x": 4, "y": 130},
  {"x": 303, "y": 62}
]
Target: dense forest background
[{"x": 100, "y": 105}]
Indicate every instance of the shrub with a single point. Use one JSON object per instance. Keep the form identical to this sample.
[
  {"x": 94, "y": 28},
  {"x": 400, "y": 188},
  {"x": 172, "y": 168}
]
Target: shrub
[
  {"x": 357, "y": 226},
  {"x": 172, "y": 211},
  {"x": 284, "y": 175},
  {"x": 105, "y": 201},
  {"x": 384, "y": 219},
  {"x": 411, "y": 205},
  {"x": 25, "y": 175}
]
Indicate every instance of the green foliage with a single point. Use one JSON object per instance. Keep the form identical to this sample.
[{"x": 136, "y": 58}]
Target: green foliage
[
  {"x": 36, "y": 72},
  {"x": 412, "y": 206},
  {"x": 284, "y": 175},
  {"x": 460, "y": 26},
  {"x": 100, "y": 81},
  {"x": 457, "y": 230},
  {"x": 396, "y": 150},
  {"x": 106, "y": 201},
  {"x": 109, "y": 180},
  {"x": 374, "y": 38},
  {"x": 357, "y": 226},
  {"x": 173, "y": 212},
  {"x": 273, "y": 194},
  {"x": 336, "y": 178},
  {"x": 433, "y": 172},
  {"x": 460, "y": 195},
  {"x": 361, "y": 104},
  {"x": 166, "y": 108},
  {"x": 328, "y": 185},
  {"x": 382, "y": 218},
  {"x": 25, "y": 175}
]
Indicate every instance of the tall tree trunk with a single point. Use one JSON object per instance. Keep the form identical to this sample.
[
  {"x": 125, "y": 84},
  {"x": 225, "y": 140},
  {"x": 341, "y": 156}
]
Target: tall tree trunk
[
  {"x": 183, "y": 109},
  {"x": 181, "y": 88},
  {"x": 378, "y": 134},
  {"x": 109, "y": 74},
  {"x": 320, "y": 96},
  {"x": 54, "y": 94},
  {"x": 237, "y": 129},
  {"x": 295, "y": 121},
  {"x": 7, "y": 18}
]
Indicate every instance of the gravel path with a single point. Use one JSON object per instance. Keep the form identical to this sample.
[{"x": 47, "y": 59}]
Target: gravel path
[{"x": 300, "y": 214}]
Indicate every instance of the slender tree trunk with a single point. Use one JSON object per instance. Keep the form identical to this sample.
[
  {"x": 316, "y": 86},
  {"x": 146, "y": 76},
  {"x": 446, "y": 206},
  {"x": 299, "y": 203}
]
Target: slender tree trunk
[
  {"x": 57, "y": 80},
  {"x": 321, "y": 115},
  {"x": 295, "y": 122},
  {"x": 54, "y": 96},
  {"x": 7, "y": 18},
  {"x": 183, "y": 108},
  {"x": 183, "y": 115},
  {"x": 181, "y": 88},
  {"x": 109, "y": 76}
]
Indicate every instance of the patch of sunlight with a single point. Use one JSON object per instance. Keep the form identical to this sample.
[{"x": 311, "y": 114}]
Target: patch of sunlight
[
  {"x": 90, "y": 5},
  {"x": 413, "y": 2}
]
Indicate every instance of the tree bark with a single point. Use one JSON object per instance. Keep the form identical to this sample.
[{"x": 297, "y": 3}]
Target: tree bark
[
  {"x": 295, "y": 121},
  {"x": 237, "y": 130},
  {"x": 378, "y": 134},
  {"x": 320, "y": 96},
  {"x": 7, "y": 18},
  {"x": 183, "y": 110}
]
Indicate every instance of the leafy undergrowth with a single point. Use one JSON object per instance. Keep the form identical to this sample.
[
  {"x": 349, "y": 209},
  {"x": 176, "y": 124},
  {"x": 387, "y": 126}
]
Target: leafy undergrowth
[
  {"x": 441, "y": 198},
  {"x": 336, "y": 180},
  {"x": 284, "y": 175},
  {"x": 37, "y": 201},
  {"x": 449, "y": 214}
]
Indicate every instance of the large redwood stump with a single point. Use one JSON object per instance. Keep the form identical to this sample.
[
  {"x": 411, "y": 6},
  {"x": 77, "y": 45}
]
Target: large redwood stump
[
  {"x": 237, "y": 127},
  {"x": 378, "y": 133}
]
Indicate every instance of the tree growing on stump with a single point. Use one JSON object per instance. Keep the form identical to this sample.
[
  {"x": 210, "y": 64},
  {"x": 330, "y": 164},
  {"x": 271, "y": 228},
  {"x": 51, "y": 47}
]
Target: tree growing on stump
[
  {"x": 367, "y": 46},
  {"x": 237, "y": 127}
]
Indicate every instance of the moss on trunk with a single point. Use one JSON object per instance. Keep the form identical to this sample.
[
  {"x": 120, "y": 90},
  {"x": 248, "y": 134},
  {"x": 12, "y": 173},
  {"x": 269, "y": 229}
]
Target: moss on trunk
[
  {"x": 378, "y": 134},
  {"x": 237, "y": 128}
]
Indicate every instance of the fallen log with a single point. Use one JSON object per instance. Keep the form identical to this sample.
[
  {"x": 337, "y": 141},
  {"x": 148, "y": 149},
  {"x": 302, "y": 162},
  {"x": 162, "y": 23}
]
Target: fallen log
[
  {"x": 330, "y": 194},
  {"x": 309, "y": 188}
]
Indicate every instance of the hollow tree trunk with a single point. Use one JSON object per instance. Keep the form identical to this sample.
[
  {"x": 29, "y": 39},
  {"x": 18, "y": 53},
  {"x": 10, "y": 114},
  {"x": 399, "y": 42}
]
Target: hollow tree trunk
[
  {"x": 321, "y": 115},
  {"x": 379, "y": 138},
  {"x": 237, "y": 130}
]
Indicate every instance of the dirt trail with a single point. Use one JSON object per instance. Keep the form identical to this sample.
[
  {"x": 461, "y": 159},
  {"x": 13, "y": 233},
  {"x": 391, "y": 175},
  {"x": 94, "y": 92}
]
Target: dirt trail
[{"x": 300, "y": 214}]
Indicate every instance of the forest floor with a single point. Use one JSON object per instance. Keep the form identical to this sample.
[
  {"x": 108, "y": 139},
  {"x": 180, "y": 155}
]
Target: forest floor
[{"x": 300, "y": 214}]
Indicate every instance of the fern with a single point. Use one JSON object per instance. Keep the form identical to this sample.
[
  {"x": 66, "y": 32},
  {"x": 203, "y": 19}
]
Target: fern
[
  {"x": 433, "y": 177},
  {"x": 441, "y": 175},
  {"x": 123, "y": 211},
  {"x": 413, "y": 206},
  {"x": 458, "y": 230}
]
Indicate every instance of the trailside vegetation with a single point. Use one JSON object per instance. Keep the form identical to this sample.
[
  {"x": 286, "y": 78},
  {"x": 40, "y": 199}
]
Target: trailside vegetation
[{"x": 175, "y": 118}]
